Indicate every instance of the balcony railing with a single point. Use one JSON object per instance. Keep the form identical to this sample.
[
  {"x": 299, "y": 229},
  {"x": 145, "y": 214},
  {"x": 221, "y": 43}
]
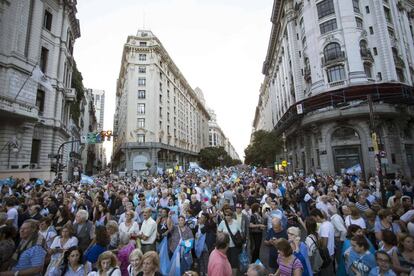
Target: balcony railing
[
  {"x": 385, "y": 93},
  {"x": 366, "y": 54},
  {"x": 333, "y": 58},
  {"x": 70, "y": 94},
  {"x": 20, "y": 108}
]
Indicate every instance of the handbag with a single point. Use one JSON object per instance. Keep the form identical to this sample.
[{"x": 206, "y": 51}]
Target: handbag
[{"x": 238, "y": 239}]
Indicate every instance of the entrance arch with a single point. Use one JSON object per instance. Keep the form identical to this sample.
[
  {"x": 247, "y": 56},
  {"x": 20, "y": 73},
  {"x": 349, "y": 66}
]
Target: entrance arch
[{"x": 346, "y": 150}]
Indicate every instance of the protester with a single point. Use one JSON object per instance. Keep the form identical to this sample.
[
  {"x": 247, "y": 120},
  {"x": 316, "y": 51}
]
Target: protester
[
  {"x": 150, "y": 264},
  {"x": 71, "y": 264},
  {"x": 218, "y": 263},
  {"x": 135, "y": 262},
  {"x": 288, "y": 264},
  {"x": 106, "y": 265}
]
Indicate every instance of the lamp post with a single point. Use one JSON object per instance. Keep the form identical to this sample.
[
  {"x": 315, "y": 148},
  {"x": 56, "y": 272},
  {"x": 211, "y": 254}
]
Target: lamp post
[{"x": 284, "y": 149}]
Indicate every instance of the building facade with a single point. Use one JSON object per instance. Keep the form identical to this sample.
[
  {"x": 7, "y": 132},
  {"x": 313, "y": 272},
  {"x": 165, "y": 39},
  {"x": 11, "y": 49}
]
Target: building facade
[
  {"x": 34, "y": 117},
  {"x": 216, "y": 137},
  {"x": 335, "y": 72},
  {"x": 160, "y": 121},
  {"x": 99, "y": 102}
]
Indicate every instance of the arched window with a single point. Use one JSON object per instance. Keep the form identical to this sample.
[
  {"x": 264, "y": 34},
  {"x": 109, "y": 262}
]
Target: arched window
[
  {"x": 332, "y": 51},
  {"x": 367, "y": 69}
]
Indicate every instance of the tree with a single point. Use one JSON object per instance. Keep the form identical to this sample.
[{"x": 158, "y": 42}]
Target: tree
[
  {"x": 212, "y": 157},
  {"x": 263, "y": 149},
  {"x": 77, "y": 83}
]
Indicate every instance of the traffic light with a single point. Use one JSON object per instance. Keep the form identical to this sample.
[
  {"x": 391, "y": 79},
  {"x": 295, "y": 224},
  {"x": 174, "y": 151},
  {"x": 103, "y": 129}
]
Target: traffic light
[
  {"x": 53, "y": 167},
  {"x": 108, "y": 135},
  {"x": 60, "y": 169},
  {"x": 103, "y": 135}
]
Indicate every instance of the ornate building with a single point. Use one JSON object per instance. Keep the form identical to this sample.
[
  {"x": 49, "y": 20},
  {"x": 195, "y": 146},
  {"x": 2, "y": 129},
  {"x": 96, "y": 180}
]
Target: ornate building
[
  {"x": 160, "y": 121},
  {"x": 327, "y": 62},
  {"x": 217, "y": 137},
  {"x": 36, "y": 38}
]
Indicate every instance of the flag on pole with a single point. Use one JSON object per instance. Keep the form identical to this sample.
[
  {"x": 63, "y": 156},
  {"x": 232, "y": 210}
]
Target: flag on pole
[{"x": 39, "y": 77}]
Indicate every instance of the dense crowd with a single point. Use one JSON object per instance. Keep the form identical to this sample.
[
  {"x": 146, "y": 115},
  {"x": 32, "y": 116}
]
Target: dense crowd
[{"x": 229, "y": 221}]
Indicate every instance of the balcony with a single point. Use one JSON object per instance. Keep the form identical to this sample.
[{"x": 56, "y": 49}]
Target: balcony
[
  {"x": 307, "y": 73},
  {"x": 366, "y": 54},
  {"x": 333, "y": 58},
  {"x": 399, "y": 62},
  {"x": 18, "y": 108},
  {"x": 70, "y": 94}
]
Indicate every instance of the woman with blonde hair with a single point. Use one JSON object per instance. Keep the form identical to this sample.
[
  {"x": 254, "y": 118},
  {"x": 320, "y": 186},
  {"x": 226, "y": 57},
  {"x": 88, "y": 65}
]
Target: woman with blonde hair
[
  {"x": 150, "y": 264},
  {"x": 300, "y": 249},
  {"x": 135, "y": 261},
  {"x": 107, "y": 264}
]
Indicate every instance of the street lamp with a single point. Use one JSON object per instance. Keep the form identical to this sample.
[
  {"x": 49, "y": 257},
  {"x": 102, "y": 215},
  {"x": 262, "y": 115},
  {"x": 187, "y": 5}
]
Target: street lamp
[{"x": 284, "y": 149}]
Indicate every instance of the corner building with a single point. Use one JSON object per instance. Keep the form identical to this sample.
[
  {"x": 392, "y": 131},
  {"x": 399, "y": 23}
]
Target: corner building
[
  {"x": 159, "y": 119},
  {"x": 326, "y": 59}
]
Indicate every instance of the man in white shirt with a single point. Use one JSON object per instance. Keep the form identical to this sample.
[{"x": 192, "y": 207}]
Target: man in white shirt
[
  {"x": 12, "y": 214},
  {"x": 340, "y": 231},
  {"x": 327, "y": 234},
  {"x": 148, "y": 232}
]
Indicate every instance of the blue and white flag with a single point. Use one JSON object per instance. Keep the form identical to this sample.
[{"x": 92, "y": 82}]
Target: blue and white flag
[
  {"x": 39, "y": 182},
  {"x": 187, "y": 245},
  {"x": 200, "y": 245},
  {"x": 175, "y": 269},
  {"x": 86, "y": 179},
  {"x": 165, "y": 261}
]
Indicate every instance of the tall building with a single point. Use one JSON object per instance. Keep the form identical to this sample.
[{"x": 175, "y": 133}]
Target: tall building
[
  {"x": 36, "y": 37},
  {"x": 326, "y": 62},
  {"x": 216, "y": 137},
  {"x": 160, "y": 121},
  {"x": 99, "y": 102}
]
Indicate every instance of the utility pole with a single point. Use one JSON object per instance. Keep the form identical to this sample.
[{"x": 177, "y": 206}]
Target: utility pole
[{"x": 375, "y": 139}]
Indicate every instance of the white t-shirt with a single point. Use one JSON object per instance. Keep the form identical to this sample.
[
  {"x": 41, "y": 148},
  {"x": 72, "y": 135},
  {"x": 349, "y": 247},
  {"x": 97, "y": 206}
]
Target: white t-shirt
[
  {"x": 73, "y": 241},
  {"x": 125, "y": 231},
  {"x": 12, "y": 214},
  {"x": 116, "y": 272},
  {"x": 326, "y": 230},
  {"x": 149, "y": 229},
  {"x": 234, "y": 227},
  {"x": 360, "y": 222}
]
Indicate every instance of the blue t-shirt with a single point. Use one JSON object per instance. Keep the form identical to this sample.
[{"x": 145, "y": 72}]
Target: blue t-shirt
[
  {"x": 93, "y": 253},
  {"x": 375, "y": 272},
  {"x": 363, "y": 263}
]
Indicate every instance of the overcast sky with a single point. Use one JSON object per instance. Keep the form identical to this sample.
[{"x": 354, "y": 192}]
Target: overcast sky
[{"x": 218, "y": 45}]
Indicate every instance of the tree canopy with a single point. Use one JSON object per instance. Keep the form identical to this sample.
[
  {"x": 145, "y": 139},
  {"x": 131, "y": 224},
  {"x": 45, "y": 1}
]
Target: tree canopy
[
  {"x": 212, "y": 157},
  {"x": 263, "y": 149}
]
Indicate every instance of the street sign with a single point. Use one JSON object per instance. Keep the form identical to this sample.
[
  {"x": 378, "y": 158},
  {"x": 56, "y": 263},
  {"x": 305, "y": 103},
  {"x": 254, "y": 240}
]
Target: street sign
[{"x": 284, "y": 163}]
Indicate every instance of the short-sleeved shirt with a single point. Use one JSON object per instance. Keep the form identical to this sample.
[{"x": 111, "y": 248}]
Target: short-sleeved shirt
[
  {"x": 395, "y": 228},
  {"x": 149, "y": 229},
  {"x": 326, "y": 230},
  {"x": 272, "y": 250},
  {"x": 30, "y": 258},
  {"x": 287, "y": 270},
  {"x": 13, "y": 215},
  {"x": 234, "y": 227}
]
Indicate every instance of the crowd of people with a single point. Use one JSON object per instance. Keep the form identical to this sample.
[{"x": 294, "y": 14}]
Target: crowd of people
[{"x": 228, "y": 221}]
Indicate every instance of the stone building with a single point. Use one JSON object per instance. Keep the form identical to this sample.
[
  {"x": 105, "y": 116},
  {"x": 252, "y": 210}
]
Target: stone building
[
  {"x": 327, "y": 60},
  {"x": 160, "y": 121},
  {"x": 34, "y": 114}
]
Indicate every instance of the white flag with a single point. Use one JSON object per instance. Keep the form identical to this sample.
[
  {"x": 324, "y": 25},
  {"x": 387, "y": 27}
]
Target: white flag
[{"x": 39, "y": 77}]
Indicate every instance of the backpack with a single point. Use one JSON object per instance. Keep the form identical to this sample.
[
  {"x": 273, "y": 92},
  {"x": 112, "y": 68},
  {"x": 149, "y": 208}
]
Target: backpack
[{"x": 321, "y": 258}]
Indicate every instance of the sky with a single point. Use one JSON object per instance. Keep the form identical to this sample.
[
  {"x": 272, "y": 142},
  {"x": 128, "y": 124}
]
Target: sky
[{"x": 218, "y": 45}]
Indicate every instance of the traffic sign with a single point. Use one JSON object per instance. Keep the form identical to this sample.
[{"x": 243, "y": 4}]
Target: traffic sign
[{"x": 284, "y": 163}]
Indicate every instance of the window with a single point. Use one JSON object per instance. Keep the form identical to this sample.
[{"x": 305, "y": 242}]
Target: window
[
  {"x": 336, "y": 73},
  {"x": 141, "y": 122},
  {"x": 161, "y": 86},
  {"x": 359, "y": 22},
  {"x": 387, "y": 13},
  {"x": 141, "y": 138},
  {"x": 367, "y": 69},
  {"x": 367, "y": 9},
  {"x": 142, "y": 57},
  {"x": 325, "y": 8},
  {"x": 40, "y": 101},
  {"x": 379, "y": 76},
  {"x": 332, "y": 51},
  {"x": 375, "y": 51},
  {"x": 328, "y": 26},
  {"x": 160, "y": 99},
  {"x": 34, "y": 157},
  {"x": 142, "y": 43},
  {"x": 43, "y": 59},
  {"x": 142, "y": 69},
  {"x": 141, "y": 94},
  {"x": 141, "y": 108},
  {"x": 47, "y": 20},
  {"x": 371, "y": 30},
  {"x": 400, "y": 74},
  {"x": 141, "y": 81},
  {"x": 356, "y": 6},
  {"x": 160, "y": 112}
]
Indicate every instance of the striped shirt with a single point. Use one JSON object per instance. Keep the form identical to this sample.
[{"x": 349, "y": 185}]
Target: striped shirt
[
  {"x": 287, "y": 270},
  {"x": 30, "y": 258}
]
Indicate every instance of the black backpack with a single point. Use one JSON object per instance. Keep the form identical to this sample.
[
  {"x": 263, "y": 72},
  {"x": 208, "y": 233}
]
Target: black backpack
[{"x": 324, "y": 252}]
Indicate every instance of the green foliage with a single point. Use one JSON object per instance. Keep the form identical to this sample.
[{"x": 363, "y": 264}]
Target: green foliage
[
  {"x": 263, "y": 149},
  {"x": 212, "y": 157},
  {"x": 77, "y": 83}
]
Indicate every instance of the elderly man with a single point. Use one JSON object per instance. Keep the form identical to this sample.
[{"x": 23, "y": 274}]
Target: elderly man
[
  {"x": 84, "y": 229},
  {"x": 273, "y": 234},
  {"x": 218, "y": 264},
  {"x": 148, "y": 232},
  {"x": 29, "y": 257}
]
